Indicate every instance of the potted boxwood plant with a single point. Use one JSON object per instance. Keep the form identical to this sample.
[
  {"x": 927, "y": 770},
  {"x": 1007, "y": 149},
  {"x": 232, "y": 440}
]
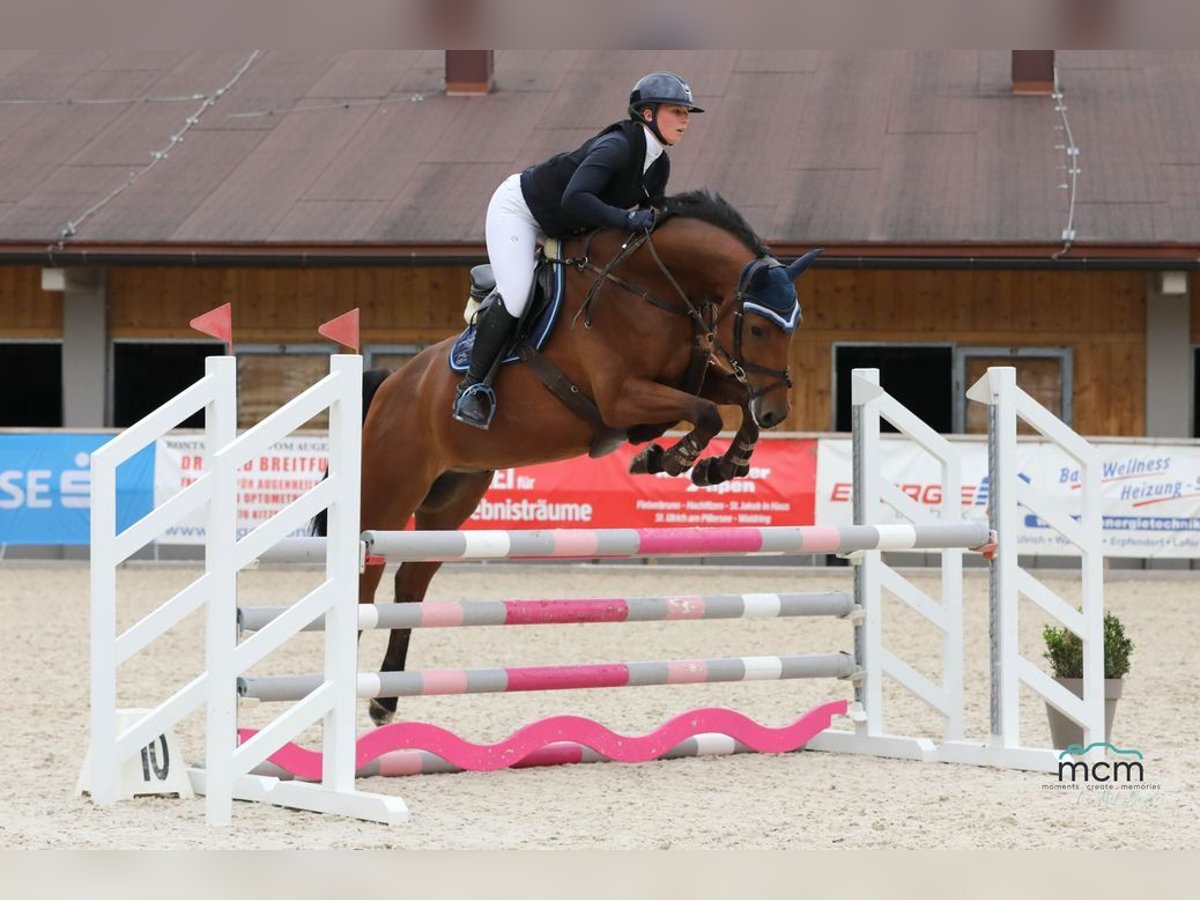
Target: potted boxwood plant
[{"x": 1064, "y": 650}]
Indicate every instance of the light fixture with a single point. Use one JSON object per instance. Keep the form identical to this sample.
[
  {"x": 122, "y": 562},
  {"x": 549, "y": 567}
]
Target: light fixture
[
  {"x": 54, "y": 280},
  {"x": 1172, "y": 284}
]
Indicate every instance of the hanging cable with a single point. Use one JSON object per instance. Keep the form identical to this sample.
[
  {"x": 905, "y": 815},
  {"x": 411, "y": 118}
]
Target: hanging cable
[
  {"x": 95, "y": 101},
  {"x": 73, "y": 225},
  {"x": 1072, "y": 165}
]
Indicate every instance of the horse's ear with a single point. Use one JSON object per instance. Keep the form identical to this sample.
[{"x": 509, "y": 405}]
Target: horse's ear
[{"x": 802, "y": 263}]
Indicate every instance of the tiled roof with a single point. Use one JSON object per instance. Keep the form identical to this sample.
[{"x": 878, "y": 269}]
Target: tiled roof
[{"x": 365, "y": 148}]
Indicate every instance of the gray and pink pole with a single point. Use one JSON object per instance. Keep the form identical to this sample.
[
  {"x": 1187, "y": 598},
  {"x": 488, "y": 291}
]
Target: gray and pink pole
[
  {"x": 469, "y": 613},
  {"x": 627, "y": 543}
]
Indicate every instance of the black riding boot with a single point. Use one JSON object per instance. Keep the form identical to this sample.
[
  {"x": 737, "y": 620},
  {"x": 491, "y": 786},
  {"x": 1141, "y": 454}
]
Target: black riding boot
[{"x": 475, "y": 402}]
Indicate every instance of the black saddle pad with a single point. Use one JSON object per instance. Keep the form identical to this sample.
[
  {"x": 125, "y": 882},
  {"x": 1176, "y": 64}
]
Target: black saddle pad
[{"x": 537, "y": 323}]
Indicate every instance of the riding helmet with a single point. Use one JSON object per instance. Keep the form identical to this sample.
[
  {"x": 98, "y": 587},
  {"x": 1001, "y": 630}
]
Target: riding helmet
[{"x": 661, "y": 87}]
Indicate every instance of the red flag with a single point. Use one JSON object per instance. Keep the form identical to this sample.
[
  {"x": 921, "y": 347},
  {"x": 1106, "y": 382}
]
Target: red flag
[
  {"x": 343, "y": 329},
  {"x": 217, "y": 323}
]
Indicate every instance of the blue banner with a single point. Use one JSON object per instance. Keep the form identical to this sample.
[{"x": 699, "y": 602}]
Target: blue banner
[{"x": 45, "y": 487}]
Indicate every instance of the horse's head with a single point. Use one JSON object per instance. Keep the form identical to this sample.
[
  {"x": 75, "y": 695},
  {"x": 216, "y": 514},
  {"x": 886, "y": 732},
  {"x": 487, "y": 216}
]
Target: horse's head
[
  {"x": 762, "y": 317},
  {"x": 756, "y": 308}
]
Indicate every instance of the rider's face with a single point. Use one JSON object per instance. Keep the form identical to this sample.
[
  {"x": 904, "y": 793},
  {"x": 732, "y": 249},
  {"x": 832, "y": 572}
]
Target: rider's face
[{"x": 672, "y": 121}]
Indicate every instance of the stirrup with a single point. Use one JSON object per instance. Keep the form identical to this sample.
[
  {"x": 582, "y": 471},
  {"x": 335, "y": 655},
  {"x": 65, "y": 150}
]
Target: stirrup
[{"x": 483, "y": 397}]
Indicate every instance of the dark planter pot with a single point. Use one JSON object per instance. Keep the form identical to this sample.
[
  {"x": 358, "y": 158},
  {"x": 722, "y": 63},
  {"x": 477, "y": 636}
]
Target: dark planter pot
[{"x": 1063, "y": 730}]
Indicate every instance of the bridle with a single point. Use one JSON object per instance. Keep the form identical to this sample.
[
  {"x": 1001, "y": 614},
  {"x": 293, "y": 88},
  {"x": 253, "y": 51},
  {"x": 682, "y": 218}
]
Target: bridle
[{"x": 732, "y": 363}]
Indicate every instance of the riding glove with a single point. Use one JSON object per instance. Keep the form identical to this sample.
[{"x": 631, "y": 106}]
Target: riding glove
[{"x": 640, "y": 220}]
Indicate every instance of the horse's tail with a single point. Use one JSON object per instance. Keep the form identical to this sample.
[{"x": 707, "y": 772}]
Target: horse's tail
[{"x": 372, "y": 379}]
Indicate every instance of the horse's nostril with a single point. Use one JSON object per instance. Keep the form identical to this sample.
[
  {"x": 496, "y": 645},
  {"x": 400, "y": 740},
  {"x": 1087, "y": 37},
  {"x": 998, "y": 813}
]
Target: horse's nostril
[{"x": 770, "y": 418}]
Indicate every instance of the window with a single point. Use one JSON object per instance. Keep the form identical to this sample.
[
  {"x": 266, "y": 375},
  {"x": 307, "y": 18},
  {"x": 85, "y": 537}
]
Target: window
[
  {"x": 1195, "y": 393},
  {"x": 918, "y": 375},
  {"x": 271, "y": 375},
  {"x": 148, "y": 374},
  {"x": 389, "y": 356},
  {"x": 31, "y": 387},
  {"x": 1042, "y": 372}
]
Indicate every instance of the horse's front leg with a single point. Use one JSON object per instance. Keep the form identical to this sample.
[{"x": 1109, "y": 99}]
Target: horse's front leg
[
  {"x": 412, "y": 581},
  {"x": 641, "y": 400},
  {"x": 735, "y": 463},
  {"x": 446, "y": 506}
]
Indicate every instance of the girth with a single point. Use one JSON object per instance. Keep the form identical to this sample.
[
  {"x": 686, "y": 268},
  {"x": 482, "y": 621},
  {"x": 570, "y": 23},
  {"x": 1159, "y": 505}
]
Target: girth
[{"x": 605, "y": 439}]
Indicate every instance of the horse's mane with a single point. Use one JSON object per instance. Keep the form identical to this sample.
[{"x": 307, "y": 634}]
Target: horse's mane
[{"x": 716, "y": 210}]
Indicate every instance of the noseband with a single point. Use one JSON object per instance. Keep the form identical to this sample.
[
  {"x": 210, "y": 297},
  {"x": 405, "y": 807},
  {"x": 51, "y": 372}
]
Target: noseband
[{"x": 704, "y": 327}]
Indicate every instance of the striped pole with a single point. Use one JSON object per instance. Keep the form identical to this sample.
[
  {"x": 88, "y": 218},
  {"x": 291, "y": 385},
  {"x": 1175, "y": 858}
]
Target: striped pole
[
  {"x": 560, "y": 678},
  {"x": 417, "y": 748},
  {"x": 554, "y": 612},
  {"x": 626, "y": 543},
  {"x": 308, "y": 549}
]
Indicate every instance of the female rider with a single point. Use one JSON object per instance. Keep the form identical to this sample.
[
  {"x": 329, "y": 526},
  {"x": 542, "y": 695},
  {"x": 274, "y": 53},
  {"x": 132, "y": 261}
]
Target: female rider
[{"x": 609, "y": 182}]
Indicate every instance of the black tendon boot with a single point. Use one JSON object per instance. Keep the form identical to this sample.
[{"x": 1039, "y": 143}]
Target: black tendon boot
[{"x": 475, "y": 402}]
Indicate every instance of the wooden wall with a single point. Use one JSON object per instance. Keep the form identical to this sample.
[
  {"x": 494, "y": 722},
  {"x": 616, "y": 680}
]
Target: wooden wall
[
  {"x": 397, "y": 305},
  {"x": 1100, "y": 315},
  {"x": 26, "y": 311}
]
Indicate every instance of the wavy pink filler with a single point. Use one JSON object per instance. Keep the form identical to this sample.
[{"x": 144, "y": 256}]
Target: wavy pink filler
[{"x": 306, "y": 764}]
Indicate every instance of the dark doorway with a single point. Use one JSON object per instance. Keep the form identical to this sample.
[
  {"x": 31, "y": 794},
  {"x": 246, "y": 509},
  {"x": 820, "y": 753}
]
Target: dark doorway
[
  {"x": 1196, "y": 392},
  {"x": 145, "y": 376},
  {"x": 921, "y": 378},
  {"x": 31, "y": 388}
]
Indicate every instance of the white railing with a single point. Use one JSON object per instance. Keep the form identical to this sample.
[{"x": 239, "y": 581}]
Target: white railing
[
  {"x": 1008, "y": 493},
  {"x": 872, "y": 576},
  {"x": 224, "y": 777},
  {"x": 216, "y": 394},
  {"x": 333, "y": 703},
  {"x": 1007, "y": 403}
]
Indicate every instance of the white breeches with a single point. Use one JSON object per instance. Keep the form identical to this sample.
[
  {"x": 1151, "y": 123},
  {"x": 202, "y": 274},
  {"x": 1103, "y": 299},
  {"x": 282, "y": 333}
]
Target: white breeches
[{"x": 513, "y": 235}]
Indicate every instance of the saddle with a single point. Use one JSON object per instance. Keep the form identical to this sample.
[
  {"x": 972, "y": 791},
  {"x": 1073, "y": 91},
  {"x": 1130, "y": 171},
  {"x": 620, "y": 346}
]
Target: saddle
[
  {"x": 537, "y": 321},
  {"x": 533, "y": 330}
]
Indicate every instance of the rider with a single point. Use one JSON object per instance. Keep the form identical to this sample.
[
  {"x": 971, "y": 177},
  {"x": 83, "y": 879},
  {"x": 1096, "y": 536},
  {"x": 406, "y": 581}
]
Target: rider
[{"x": 608, "y": 182}]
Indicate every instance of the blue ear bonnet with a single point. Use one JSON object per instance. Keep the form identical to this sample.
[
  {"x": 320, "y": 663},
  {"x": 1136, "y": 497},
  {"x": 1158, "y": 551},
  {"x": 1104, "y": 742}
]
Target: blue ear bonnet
[{"x": 767, "y": 289}]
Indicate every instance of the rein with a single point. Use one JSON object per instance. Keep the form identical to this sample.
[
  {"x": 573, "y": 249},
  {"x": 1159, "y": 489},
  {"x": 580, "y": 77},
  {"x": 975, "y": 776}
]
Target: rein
[{"x": 704, "y": 331}]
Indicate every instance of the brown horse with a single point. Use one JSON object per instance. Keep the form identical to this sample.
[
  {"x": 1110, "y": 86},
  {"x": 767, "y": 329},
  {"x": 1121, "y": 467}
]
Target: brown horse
[{"x": 695, "y": 315}]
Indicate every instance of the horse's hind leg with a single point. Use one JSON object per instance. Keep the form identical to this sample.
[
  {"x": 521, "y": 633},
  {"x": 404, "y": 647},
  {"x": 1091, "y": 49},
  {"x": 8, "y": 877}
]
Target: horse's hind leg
[{"x": 450, "y": 502}]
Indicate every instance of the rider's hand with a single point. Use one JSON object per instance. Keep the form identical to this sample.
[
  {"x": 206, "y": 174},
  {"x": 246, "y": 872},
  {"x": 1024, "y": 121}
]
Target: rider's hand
[{"x": 640, "y": 220}]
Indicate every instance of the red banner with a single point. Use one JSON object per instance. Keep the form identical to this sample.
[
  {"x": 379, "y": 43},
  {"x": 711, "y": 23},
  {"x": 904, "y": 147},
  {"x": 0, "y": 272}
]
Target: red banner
[{"x": 600, "y": 493}]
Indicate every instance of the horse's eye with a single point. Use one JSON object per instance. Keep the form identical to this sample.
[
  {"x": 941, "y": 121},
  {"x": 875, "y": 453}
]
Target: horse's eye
[{"x": 756, "y": 330}]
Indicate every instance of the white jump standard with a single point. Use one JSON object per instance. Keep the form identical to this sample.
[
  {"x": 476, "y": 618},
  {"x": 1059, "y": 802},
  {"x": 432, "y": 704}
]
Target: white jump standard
[{"x": 331, "y": 697}]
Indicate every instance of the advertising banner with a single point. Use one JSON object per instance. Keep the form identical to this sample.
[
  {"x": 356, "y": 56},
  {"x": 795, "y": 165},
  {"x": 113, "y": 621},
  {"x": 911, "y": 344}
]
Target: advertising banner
[
  {"x": 46, "y": 482},
  {"x": 1151, "y": 493},
  {"x": 265, "y": 485},
  {"x": 574, "y": 493},
  {"x": 1151, "y": 489},
  {"x": 600, "y": 493}
]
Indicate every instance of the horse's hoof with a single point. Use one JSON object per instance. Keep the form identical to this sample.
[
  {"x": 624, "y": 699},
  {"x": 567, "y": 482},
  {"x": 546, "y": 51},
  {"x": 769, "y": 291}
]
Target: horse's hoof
[
  {"x": 648, "y": 462},
  {"x": 379, "y": 713},
  {"x": 707, "y": 472}
]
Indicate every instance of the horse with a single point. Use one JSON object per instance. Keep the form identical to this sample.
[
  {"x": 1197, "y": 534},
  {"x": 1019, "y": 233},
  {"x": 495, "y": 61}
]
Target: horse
[{"x": 694, "y": 315}]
